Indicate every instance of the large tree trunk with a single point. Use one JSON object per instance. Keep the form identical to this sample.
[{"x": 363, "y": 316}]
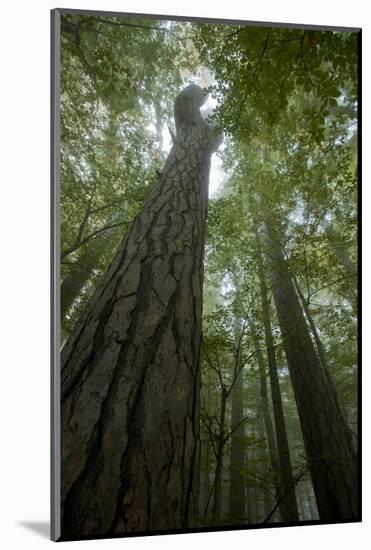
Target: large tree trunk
[
  {"x": 288, "y": 505},
  {"x": 330, "y": 453},
  {"x": 130, "y": 371},
  {"x": 237, "y": 448}
]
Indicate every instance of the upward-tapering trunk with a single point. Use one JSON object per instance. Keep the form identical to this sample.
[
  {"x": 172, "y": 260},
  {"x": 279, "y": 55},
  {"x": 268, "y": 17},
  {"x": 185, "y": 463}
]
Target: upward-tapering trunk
[
  {"x": 130, "y": 370},
  {"x": 330, "y": 453},
  {"x": 288, "y": 504}
]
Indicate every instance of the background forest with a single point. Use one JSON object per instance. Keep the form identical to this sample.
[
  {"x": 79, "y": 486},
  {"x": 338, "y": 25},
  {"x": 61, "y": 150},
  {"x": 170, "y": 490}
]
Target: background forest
[{"x": 279, "y": 326}]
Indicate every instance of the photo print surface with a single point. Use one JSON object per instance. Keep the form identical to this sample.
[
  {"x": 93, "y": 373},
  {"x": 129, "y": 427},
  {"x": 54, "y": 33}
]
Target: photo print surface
[{"x": 205, "y": 183}]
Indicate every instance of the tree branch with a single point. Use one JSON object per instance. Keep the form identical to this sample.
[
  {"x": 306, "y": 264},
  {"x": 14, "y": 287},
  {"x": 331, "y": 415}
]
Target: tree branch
[
  {"x": 74, "y": 247},
  {"x": 284, "y": 495}
]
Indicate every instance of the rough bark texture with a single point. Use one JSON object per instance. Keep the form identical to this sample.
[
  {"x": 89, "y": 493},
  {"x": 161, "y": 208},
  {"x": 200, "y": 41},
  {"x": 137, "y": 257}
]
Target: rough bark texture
[
  {"x": 130, "y": 371},
  {"x": 237, "y": 446},
  {"x": 330, "y": 453},
  {"x": 288, "y": 505}
]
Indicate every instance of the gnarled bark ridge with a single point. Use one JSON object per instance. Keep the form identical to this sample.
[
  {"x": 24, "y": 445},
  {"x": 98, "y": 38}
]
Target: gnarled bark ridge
[{"x": 130, "y": 371}]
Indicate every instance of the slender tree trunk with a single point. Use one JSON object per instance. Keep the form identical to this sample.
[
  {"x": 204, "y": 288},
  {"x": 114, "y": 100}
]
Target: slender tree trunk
[
  {"x": 237, "y": 445},
  {"x": 249, "y": 507},
  {"x": 320, "y": 348},
  {"x": 250, "y": 481},
  {"x": 217, "y": 501},
  {"x": 264, "y": 468},
  {"x": 307, "y": 499},
  {"x": 288, "y": 506},
  {"x": 311, "y": 500},
  {"x": 301, "y": 503},
  {"x": 328, "y": 442},
  {"x": 130, "y": 370},
  {"x": 206, "y": 483},
  {"x": 271, "y": 438},
  {"x": 254, "y": 488}
]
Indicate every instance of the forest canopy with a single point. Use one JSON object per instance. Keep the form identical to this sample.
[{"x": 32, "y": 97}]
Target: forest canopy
[{"x": 275, "y": 397}]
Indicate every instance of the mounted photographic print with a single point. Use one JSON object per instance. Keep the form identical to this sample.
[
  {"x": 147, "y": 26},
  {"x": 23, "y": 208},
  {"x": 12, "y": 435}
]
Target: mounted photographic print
[{"x": 205, "y": 370}]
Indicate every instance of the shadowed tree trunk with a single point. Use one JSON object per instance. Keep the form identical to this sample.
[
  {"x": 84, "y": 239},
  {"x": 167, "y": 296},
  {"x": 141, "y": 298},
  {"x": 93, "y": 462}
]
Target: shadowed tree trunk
[
  {"x": 328, "y": 442},
  {"x": 288, "y": 506},
  {"x": 254, "y": 489},
  {"x": 237, "y": 449},
  {"x": 217, "y": 500},
  {"x": 206, "y": 478},
  {"x": 313, "y": 328},
  {"x": 311, "y": 501},
  {"x": 268, "y": 500},
  {"x": 130, "y": 370}
]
